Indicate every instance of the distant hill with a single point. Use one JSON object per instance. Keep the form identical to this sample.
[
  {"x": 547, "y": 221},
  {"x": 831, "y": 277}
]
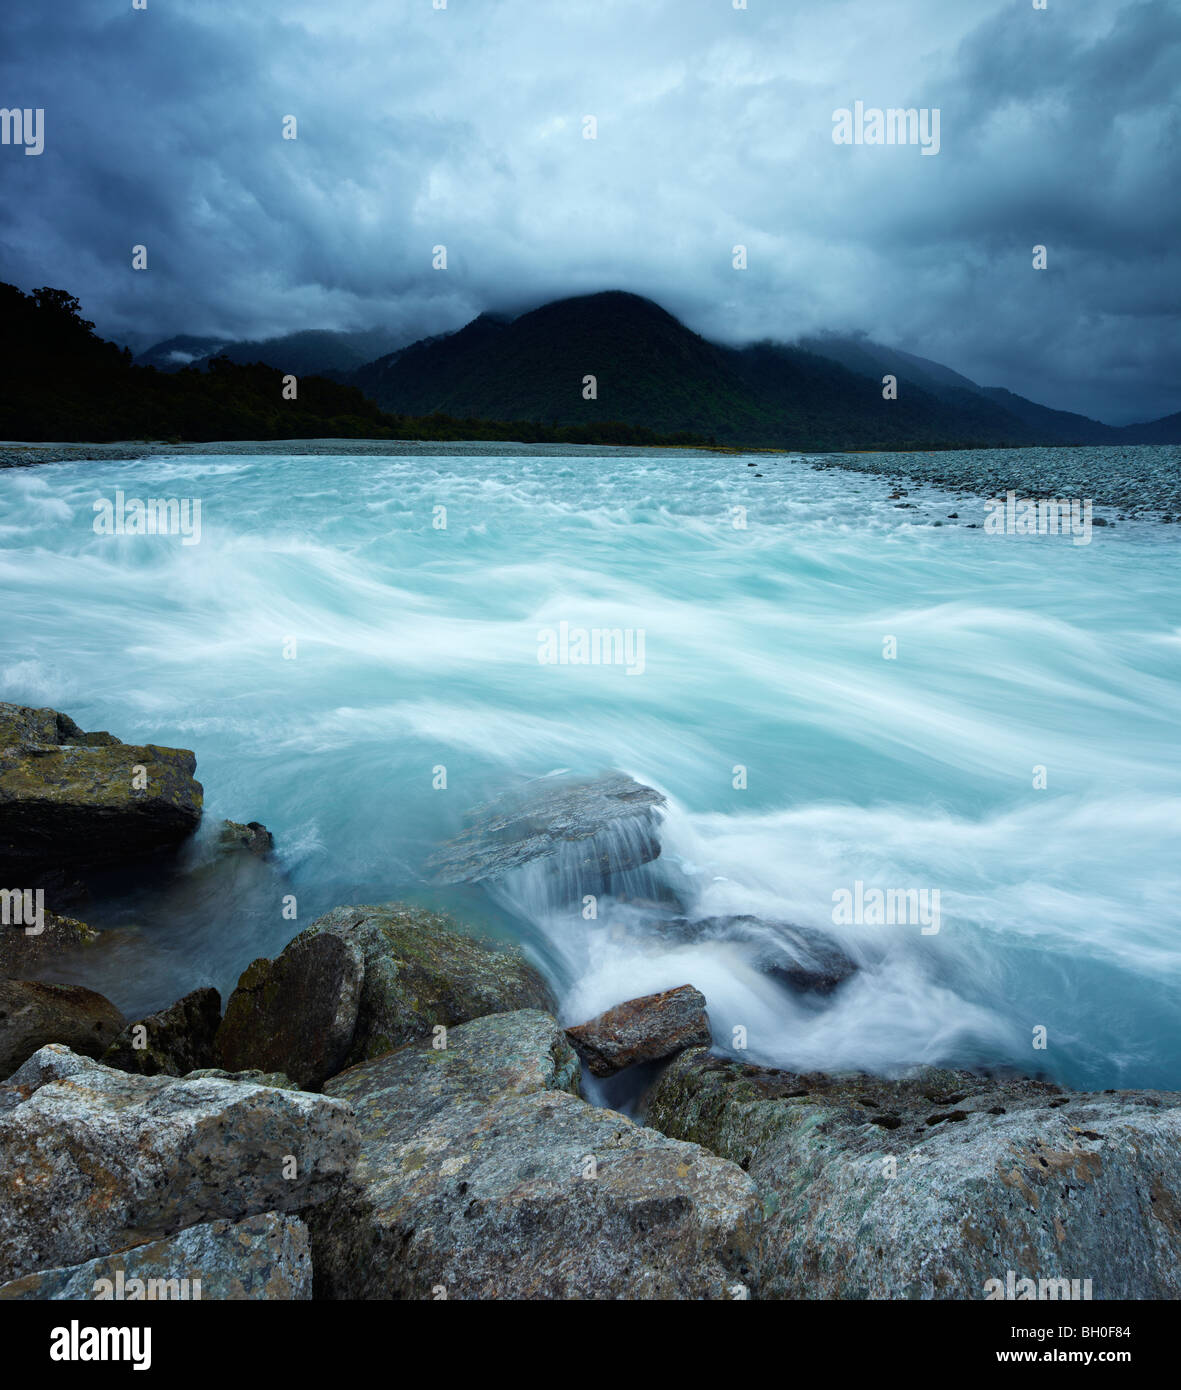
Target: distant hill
[
  {"x": 60, "y": 381},
  {"x": 822, "y": 393},
  {"x": 319, "y": 351}
]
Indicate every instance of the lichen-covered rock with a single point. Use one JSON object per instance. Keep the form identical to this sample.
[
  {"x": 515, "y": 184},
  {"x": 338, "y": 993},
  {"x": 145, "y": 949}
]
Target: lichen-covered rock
[
  {"x": 23, "y": 954},
  {"x": 253, "y": 838},
  {"x": 362, "y": 980},
  {"x": 933, "y": 1186},
  {"x": 643, "y": 1030},
  {"x": 177, "y": 1040},
  {"x": 33, "y": 1014},
  {"x": 597, "y": 827},
  {"x": 263, "y": 1257},
  {"x": 259, "y": 1078},
  {"x": 71, "y": 800},
  {"x": 93, "y": 1159},
  {"x": 482, "y": 1175}
]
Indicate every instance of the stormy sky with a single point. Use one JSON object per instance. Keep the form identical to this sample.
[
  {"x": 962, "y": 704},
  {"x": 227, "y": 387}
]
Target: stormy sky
[{"x": 464, "y": 126}]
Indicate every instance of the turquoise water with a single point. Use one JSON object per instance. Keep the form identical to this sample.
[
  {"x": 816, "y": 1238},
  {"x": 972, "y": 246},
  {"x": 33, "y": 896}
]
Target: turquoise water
[{"x": 416, "y": 648}]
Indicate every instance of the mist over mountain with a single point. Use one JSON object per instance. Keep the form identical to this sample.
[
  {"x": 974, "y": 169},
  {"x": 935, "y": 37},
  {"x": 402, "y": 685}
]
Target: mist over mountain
[{"x": 823, "y": 392}]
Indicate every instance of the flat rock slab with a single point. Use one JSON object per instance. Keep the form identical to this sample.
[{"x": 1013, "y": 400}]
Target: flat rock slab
[
  {"x": 555, "y": 812},
  {"x": 94, "y": 1160},
  {"x": 933, "y": 1186},
  {"x": 643, "y": 1030},
  {"x": 70, "y": 800},
  {"x": 33, "y": 1014},
  {"x": 362, "y": 980},
  {"x": 482, "y": 1175},
  {"x": 263, "y": 1257}
]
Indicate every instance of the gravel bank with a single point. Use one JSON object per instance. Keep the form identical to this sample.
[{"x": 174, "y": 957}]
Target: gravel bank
[{"x": 1138, "y": 480}]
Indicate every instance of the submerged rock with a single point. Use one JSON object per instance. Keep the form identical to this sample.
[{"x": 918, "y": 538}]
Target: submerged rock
[
  {"x": 265, "y": 1256},
  {"x": 70, "y": 800},
  {"x": 23, "y": 955},
  {"x": 643, "y": 1030},
  {"x": 93, "y": 1159},
  {"x": 175, "y": 1041},
  {"x": 482, "y": 1175},
  {"x": 362, "y": 980},
  {"x": 803, "y": 958},
  {"x": 599, "y": 826},
  {"x": 253, "y": 837},
  {"x": 33, "y": 1014},
  {"x": 933, "y": 1186}
]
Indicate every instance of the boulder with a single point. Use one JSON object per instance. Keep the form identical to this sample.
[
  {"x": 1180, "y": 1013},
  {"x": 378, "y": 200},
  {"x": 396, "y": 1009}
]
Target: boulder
[
  {"x": 265, "y": 1256},
  {"x": 251, "y": 838},
  {"x": 362, "y": 980},
  {"x": 937, "y": 1185},
  {"x": 33, "y": 1014},
  {"x": 23, "y": 954},
  {"x": 595, "y": 828},
  {"x": 483, "y": 1176},
  {"x": 75, "y": 801},
  {"x": 643, "y": 1030},
  {"x": 93, "y": 1159},
  {"x": 176, "y": 1040}
]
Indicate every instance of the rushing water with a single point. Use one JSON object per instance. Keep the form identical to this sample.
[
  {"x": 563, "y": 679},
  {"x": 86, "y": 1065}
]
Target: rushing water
[{"x": 417, "y": 648}]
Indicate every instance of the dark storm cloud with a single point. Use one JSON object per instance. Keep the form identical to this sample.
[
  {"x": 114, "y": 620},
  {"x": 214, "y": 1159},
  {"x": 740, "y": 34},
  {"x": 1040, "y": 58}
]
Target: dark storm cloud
[{"x": 464, "y": 127}]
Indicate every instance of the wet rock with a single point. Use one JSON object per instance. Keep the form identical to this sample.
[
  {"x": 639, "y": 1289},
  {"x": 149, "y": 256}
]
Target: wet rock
[
  {"x": 599, "y": 827},
  {"x": 802, "y": 957},
  {"x": 33, "y": 1013},
  {"x": 24, "y": 954},
  {"x": 362, "y": 980},
  {"x": 94, "y": 1160},
  {"x": 880, "y": 1189},
  {"x": 175, "y": 1041},
  {"x": 71, "y": 801},
  {"x": 265, "y": 1256},
  {"x": 253, "y": 837},
  {"x": 482, "y": 1175},
  {"x": 643, "y": 1030},
  {"x": 296, "y": 1013}
]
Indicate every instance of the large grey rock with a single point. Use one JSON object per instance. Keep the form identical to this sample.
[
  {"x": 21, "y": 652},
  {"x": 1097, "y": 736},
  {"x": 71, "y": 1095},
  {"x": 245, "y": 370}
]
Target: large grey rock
[
  {"x": 596, "y": 827},
  {"x": 482, "y": 1175},
  {"x": 177, "y": 1040},
  {"x": 361, "y": 980},
  {"x": 932, "y": 1186},
  {"x": 643, "y": 1030},
  {"x": 93, "y": 1159},
  {"x": 262, "y": 1257},
  {"x": 72, "y": 800},
  {"x": 25, "y": 954},
  {"x": 33, "y": 1014},
  {"x": 804, "y": 958}
]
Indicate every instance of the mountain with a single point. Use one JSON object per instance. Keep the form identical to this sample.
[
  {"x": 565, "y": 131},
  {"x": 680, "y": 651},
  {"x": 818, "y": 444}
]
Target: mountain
[
  {"x": 315, "y": 351},
  {"x": 822, "y": 393}
]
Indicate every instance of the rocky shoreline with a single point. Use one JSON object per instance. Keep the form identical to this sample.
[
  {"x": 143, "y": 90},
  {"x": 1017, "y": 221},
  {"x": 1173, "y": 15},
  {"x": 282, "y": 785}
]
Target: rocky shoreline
[{"x": 390, "y": 1108}]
